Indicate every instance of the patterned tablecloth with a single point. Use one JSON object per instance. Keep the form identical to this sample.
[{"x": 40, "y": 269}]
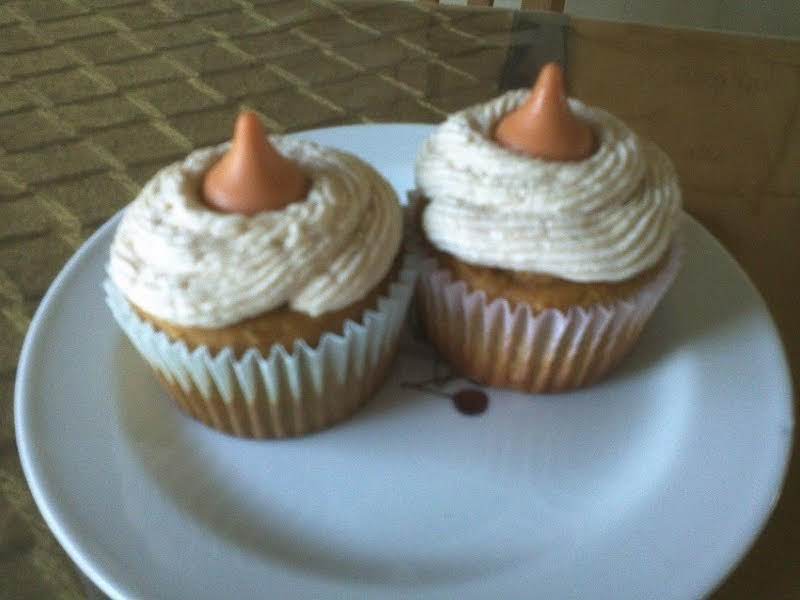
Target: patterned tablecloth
[{"x": 95, "y": 95}]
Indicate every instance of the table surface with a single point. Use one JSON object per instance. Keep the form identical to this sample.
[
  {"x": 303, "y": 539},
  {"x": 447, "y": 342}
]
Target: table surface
[{"x": 95, "y": 95}]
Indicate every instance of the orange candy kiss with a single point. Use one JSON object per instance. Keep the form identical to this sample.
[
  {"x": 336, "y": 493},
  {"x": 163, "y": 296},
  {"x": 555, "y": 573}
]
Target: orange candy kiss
[
  {"x": 252, "y": 176},
  {"x": 544, "y": 126}
]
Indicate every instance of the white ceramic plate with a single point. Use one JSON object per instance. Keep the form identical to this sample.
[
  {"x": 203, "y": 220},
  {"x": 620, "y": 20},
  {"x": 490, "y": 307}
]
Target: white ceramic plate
[{"x": 651, "y": 484}]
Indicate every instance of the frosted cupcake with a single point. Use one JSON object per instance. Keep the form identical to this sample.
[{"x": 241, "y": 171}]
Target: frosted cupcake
[
  {"x": 552, "y": 228},
  {"x": 262, "y": 280}
]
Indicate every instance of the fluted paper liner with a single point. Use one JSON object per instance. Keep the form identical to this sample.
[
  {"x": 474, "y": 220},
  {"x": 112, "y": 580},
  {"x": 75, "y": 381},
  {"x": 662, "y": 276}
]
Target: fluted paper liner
[
  {"x": 285, "y": 394},
  {"x": 508, "y": 346}
]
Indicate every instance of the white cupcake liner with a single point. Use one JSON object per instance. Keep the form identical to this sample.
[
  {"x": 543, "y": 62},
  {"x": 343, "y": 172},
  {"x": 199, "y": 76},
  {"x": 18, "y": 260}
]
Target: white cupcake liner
[
  {"x": 508, "y": 346},
  {"x": 284, "y": 394}
]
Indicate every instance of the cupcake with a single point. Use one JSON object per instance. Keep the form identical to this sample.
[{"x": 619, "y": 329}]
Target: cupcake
[
  {"x": 262, "y": 280},
  {"x": 551, "y": 230}
]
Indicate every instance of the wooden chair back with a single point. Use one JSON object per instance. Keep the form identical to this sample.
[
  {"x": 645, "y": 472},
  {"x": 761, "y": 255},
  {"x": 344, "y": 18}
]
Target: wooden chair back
[{"x": 551, "y": 5}]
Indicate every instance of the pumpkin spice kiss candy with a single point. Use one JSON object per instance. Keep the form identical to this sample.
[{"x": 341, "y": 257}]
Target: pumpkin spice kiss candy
[
  {"x": 551, "y": 230},
  {"x": 544, "y": 126},
  {"x": 252, "y": 176},
  {"x": 262, "y": 281}
]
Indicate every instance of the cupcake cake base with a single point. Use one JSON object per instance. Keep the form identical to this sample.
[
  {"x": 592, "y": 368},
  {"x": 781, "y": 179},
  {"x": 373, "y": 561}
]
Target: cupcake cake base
[
  {"x": 263, "y": 418},
  {"x": 280, "y": 393},
  {"x": 508, "y": 344}
]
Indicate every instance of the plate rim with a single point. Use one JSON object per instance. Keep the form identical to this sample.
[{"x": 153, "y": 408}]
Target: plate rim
[{"x": 48, "y": 506}]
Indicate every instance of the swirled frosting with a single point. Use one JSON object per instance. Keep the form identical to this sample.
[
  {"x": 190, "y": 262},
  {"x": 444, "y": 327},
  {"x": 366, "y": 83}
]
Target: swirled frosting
[
  {"x": 178, "y": 260},
  {"x": 605, "y": 218}
]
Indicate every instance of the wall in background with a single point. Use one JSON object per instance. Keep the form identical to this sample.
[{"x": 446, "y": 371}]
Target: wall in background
[{"x": 764, "y": 17}]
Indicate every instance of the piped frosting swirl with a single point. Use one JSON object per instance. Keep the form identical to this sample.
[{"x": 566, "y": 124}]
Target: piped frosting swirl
[
  {"x": 181, "y": 261},
  {"x": 605, "y": 218}
]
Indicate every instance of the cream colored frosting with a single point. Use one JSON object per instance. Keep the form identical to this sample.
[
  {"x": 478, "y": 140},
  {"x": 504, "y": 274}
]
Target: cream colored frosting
[
  {"x": 177, "y": 259},
  {"x": 605, "y": 218}
]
